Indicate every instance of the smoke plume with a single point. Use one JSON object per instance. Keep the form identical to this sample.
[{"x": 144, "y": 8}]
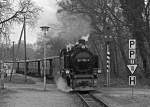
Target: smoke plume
[{"x": 74, "y": 26}]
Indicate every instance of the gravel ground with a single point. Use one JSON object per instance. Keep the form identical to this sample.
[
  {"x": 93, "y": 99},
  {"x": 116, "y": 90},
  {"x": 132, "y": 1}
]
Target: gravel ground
[
  {"x": 31, "y": 94},
  {"x": 122, "y": 97}
]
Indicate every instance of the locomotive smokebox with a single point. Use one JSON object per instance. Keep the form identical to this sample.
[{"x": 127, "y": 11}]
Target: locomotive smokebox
[{"x": 81, "y": 41}]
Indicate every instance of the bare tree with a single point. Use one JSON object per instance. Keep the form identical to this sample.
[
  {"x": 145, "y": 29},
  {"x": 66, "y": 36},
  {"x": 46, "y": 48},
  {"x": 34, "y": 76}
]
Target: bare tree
[
  {"x": 136, "y": 14},
  {"x": 11, "y": 12},
  {"x": 25, "y": 8}
]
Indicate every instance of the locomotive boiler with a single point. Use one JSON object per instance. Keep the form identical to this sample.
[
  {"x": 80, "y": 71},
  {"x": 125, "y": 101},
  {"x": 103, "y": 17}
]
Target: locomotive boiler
[{"x": 79, "y": 67}]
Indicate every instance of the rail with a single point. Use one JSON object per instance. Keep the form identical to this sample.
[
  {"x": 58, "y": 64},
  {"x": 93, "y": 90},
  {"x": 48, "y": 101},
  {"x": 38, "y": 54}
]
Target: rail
[{"x": 90, "y": 100}]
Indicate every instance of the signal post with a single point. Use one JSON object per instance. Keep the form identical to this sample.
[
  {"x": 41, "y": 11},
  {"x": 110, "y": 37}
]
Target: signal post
[
  {"x": 108, "y": 38},
  {"x": 132, "y": 66},
  {"x": 108, "y": 69}
]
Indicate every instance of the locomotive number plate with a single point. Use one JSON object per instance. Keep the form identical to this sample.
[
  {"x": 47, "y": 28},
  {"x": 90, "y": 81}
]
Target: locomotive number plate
[{"x": 83, "y": 60}]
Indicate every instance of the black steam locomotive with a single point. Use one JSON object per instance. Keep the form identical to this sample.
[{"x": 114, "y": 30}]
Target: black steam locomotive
[{"x": 79, "y": 67}]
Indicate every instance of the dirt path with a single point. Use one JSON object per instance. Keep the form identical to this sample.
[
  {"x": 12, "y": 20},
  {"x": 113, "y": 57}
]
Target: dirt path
[{"x": 32, "y": 95}]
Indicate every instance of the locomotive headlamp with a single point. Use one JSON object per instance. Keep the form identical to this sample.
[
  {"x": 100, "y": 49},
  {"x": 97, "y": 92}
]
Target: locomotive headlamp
[
  {"x": 67, "y": 71},
  {"x": 83, "y": 46},
  {"x": 99, "y": 71}
]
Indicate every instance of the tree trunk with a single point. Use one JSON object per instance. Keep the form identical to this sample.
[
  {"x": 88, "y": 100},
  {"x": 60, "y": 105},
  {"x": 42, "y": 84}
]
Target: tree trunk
[
  {"x": 143, "y": 51},
  {"x": 114, "y": 59},
  {"x": 125, "y": 59}
]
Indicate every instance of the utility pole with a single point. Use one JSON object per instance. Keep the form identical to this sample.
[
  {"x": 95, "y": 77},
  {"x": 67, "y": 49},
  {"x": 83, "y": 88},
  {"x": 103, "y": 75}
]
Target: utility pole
[
  {"x": 25, "y": 53},
  {"x": 13, "y": 66},
  {"x": 2, "y": 69},
  {"x": 44, "y": 29},
  {"x": 1, "y": 82},
  {"x": 2, "y": 75}
]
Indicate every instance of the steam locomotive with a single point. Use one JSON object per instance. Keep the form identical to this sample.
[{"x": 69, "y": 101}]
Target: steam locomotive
[
  {"x": 76, "y": 63},
  {"x": 79, "y": 67}
]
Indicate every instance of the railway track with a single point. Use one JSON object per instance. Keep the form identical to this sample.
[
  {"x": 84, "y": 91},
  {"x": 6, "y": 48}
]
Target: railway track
[{"x": 90, "y": 100}]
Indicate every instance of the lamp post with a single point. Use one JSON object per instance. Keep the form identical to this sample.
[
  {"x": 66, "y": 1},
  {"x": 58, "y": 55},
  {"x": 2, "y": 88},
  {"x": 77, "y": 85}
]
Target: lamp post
[{"x": 45, "y": 30}]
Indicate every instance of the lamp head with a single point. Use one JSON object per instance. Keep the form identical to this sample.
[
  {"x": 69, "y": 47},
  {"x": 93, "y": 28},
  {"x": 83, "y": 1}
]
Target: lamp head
[{"x": 44, "y": 28}]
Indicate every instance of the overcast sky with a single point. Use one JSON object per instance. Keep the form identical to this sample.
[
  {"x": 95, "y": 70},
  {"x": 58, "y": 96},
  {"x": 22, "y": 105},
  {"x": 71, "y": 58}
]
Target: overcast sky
[{"x": 48, "y": 16}]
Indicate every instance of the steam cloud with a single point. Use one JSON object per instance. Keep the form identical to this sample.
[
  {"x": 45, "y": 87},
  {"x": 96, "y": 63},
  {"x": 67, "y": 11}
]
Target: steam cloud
[{"x": 62, "y": 85}]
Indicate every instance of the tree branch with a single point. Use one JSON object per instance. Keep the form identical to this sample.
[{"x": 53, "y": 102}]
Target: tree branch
[{"x": 13, "y": 16}]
